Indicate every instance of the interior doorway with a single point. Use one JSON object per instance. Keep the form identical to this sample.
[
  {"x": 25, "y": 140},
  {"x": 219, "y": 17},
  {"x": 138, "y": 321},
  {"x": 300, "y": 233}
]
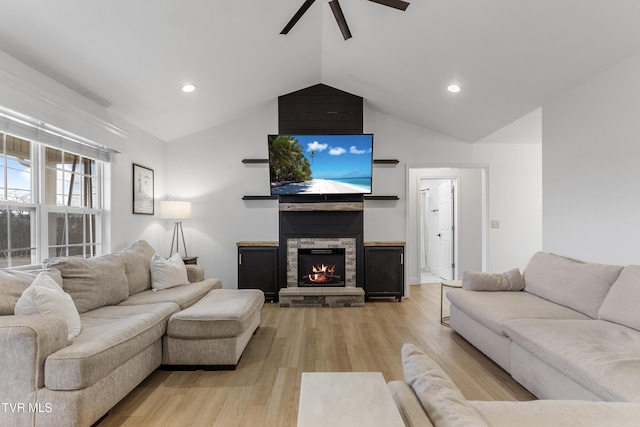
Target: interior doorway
[
  {"x": 436, "y": 228},
  {"x": 469, "y": 223}
]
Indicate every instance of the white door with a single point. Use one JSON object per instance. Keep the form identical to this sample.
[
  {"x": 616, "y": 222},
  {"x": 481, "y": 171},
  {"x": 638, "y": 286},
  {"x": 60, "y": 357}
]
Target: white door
[{"x": 445, "y": 233}]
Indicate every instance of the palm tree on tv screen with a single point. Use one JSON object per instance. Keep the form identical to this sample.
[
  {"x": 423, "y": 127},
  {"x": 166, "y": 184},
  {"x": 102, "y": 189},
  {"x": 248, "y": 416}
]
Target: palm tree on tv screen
[{"x": 287, "y": 161}]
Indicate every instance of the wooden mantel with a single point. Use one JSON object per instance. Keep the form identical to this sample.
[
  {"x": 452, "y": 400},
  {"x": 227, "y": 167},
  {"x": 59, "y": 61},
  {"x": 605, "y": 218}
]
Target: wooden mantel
[{"x": 322, "y": 207}]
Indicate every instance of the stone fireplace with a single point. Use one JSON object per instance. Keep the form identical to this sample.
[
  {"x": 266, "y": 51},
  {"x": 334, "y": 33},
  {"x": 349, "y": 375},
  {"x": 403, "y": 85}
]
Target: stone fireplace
[
  {"x": 333, "y": 250},
  {"x": 331, "y": 228}
]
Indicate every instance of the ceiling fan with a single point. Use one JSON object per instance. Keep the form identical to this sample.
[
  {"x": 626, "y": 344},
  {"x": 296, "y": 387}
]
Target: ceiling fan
[{"x": 337, "y": 13}]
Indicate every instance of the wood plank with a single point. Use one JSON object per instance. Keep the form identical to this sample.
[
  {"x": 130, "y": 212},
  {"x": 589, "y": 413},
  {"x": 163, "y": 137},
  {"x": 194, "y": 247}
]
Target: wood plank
[
  {"x": 265, "y": 388},
  {"x": 322, "y": 207}
]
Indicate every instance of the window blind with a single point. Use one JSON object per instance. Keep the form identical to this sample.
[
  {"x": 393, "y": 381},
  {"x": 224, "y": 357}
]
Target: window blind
[{"x": 26, "y": 127}]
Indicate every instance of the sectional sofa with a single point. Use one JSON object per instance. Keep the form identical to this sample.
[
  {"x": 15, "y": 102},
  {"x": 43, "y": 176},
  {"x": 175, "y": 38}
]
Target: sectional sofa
[
  {"x": 428, "y": 397},
  {"x": 70, "y": 368},
  {"x": 566, "y": 330}
]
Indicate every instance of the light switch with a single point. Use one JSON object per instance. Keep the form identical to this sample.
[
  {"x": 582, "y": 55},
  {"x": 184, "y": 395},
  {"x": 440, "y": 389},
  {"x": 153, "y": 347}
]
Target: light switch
[{"x": 495, "y": 223}]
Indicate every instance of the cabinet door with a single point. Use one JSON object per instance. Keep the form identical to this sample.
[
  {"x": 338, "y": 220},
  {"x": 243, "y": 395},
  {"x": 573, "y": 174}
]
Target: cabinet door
[
  {"x": 258, "y": 269},
  {"x": 384, "y": 272}
]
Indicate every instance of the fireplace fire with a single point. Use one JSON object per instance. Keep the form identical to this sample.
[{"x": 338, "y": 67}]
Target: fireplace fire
[{"x": 321, "y": 267}]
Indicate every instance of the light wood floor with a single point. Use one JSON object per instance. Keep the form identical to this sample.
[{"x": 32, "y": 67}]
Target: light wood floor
[{"x": 264, "y": 389}]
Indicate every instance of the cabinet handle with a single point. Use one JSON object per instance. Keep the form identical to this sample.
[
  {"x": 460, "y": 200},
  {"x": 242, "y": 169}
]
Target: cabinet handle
[
  {"x": 239, "y": 259},
  {"x": 401, "y": 259}
]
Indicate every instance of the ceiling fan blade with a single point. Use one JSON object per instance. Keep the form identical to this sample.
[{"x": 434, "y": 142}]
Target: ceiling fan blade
[
  {"x": 340, "y": 19},
  {"x": 306, "y": 5},
  {"x": 396, "y": 4}
]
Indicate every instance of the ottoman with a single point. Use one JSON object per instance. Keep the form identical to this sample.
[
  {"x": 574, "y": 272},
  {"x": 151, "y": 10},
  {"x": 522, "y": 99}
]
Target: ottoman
[{"x": 213, "y": 332}]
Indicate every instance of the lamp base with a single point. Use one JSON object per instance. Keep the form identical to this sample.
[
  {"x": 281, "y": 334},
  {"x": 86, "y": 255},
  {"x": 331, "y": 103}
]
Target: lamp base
[{"x": 175, "y": 239}]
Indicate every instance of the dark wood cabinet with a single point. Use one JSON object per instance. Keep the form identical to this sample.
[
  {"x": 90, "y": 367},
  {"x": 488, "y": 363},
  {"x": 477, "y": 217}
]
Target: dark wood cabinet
[
  {"x": 384, "y": 270},
  {"x": 258, "y": 267}
]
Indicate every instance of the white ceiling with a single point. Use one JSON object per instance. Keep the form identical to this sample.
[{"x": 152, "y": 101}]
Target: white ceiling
[{"x": 509, "y": 56}]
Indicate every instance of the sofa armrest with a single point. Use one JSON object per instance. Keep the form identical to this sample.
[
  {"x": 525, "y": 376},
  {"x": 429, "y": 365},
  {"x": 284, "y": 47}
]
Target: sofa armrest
[
  {"x": 409, "y": 406},
  {"x": 195, "y": 273},
  {"x": 25, "y": 344}
]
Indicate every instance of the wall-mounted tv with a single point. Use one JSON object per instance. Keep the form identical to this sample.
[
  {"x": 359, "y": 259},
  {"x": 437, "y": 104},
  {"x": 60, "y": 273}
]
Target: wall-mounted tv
[{"x": 320, "y": 164}]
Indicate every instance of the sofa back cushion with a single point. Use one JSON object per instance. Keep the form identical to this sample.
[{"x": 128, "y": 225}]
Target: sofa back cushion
[
  {"x": 621, "y": 304},
  {"x": 578, "y": 285},
  {"x": 13, "y": 282},
  {"x": 441, "y": 399},
  {"x": 136, "y": 260},
  {"x": 92, "y": 282}
]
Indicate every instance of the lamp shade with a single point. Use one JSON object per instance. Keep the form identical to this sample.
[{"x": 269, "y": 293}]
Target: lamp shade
[{"x": 173, "y": 209}]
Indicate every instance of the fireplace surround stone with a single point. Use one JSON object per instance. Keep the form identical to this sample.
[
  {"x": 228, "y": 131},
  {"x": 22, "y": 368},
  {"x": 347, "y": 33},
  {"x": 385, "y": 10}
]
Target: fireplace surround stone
[
  {"x": 348, "y": 243},
  {"x": 318, "y": 223}
]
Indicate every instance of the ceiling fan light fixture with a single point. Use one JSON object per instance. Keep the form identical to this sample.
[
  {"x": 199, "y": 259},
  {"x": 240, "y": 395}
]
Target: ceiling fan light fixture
[{"x": 453, "y": 88}]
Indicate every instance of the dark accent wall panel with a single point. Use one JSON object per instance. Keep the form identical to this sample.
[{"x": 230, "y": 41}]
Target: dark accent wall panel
[
  {"x": 320, "y": 109},
  {"x": 321, "y": 225}
]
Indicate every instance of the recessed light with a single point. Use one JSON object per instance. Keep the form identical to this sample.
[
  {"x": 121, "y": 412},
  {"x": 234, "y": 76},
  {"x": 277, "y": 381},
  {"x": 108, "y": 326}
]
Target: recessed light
[
  {"x": 453, "y": 88},
  {"x": 188, "y": 88}
]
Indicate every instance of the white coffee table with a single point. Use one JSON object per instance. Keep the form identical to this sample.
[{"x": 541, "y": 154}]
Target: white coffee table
[{"x": 335, "y": 399}]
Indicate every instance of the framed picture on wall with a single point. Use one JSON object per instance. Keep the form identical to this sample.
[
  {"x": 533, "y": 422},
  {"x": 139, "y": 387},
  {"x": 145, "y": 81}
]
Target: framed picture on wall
[{"x": 143, "y": 199}]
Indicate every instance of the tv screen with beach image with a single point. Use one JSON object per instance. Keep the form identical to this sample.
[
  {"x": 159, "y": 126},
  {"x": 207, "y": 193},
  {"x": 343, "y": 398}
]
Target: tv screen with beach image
[{"x": 320, "y": 164}]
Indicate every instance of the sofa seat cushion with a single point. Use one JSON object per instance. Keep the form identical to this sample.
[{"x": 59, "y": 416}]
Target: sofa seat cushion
[
  {"x": 600, "y": 356},
  {"x": 566, "y": 413},
  {"x": 110, "y": 336},
  {"x": 222, "y": 313},
  {"x": 184, "y": 296},
  {"x": 493, "y": 309}
]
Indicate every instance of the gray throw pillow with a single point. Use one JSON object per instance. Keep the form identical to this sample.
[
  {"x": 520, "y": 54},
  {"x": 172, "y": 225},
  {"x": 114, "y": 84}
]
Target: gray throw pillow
[{"x": 511, "y": 280}]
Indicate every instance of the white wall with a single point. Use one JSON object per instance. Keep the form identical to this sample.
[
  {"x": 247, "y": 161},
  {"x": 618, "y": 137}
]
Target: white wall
[
  {"x": 29, "y": 92},
  {"x": 207, "y": 169},
  {"x": 410, "y": 144},
  {"x": 515, "y": 200},
  {"x": 126, "y": 227},
  {"x": 590, "y": 152}
]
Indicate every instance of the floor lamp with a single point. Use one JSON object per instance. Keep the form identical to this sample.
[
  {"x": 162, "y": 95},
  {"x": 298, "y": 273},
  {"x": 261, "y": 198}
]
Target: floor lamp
[{"x": 173, "y": 209}]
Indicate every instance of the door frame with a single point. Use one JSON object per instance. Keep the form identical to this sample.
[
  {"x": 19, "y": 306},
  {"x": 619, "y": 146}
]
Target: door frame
[{"x": 443, "y": 171}]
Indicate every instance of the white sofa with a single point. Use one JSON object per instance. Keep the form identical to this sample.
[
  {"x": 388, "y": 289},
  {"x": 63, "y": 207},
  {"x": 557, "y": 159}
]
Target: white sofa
[
  {"x": 52, "y": 379},
  {"x": 573, "y": 332},
  {"x": 428, "y": 397}
]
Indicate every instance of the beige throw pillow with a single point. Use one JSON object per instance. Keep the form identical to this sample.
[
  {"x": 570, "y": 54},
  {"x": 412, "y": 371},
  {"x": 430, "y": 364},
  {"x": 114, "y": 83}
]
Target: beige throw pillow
[
  {"x": 440, "y": 397},
  {"x": 45, "y": 296},
  {"x": 511, "y": 280},
  {"x": 13, "y": 283},
  {"x": 168, "y": 273}
]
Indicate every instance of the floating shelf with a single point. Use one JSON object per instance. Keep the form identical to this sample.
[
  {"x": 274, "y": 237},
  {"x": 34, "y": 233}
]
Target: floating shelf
[
  {"x": 381, "y": 198},
  {"x": 259, "y": 197},
  {"x": 375, "y": 161}
]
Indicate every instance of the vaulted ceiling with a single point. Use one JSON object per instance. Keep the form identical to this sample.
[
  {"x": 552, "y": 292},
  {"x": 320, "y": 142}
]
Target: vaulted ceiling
[{"x": 132, "y": 56}]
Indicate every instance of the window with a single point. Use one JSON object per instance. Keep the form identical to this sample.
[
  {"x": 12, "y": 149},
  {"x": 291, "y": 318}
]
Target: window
[{"x": 49, "y": 202}]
